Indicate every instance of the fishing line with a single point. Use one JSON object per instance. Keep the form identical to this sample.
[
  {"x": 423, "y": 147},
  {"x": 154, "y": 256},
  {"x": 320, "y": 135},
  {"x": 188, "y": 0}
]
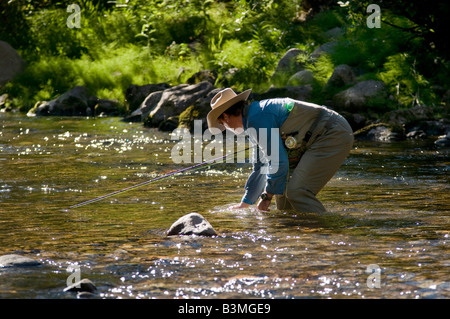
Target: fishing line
[{"x": 194, "y": 167}]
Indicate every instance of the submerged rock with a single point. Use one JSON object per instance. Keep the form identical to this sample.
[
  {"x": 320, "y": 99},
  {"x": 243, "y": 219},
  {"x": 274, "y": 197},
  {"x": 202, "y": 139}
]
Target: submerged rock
[
  {"x": 443, "y": 140},
  {"x": 191, "y": 224},
  {"x": 84, "y": 285},
  {"x": 14, "y": 260}
]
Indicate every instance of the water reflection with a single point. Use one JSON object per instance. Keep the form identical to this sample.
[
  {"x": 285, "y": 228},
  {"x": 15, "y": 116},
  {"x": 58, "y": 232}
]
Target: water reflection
[{"x": 388, "y": 206}]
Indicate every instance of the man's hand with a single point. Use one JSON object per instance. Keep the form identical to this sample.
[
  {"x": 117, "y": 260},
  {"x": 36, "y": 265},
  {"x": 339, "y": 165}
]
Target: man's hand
[{"x": 241, "y": 205}]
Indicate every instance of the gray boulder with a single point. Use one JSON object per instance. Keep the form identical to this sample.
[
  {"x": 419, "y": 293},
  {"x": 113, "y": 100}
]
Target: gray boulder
[
  {"x": 84, "y": 285},
  {"x": 136, "y": 94},
  {"x": 416, "y": 134},
  {"x": 107, "y": 107},
  {"x": 14, "y": 260},
  {"x": 191, "y": 224},
  {"x": 286, "y": 67},
  {"x": 175, "y": 100},
  {"x": 443, "y": 140},
  {"x": 300, "y": 93},
  {"x": 149, "y": 103},
  {"x": 342, "y": 75},
  {"x": 302, "y": 77},
  {"x": 409, "y": 116},
  {"x": 11, "y": 63},
  {"x": 334, "y": 33},
  {"x": 76, "y": 102},
  {"x": 326, "y": 48},
  {"x": 197, "y": 111},
  {"x": 356, "y": 98},
  {"x": 356, "y": 121},
  {"x": 380, "y": 132},
  {"x": 72, "y": 103}
]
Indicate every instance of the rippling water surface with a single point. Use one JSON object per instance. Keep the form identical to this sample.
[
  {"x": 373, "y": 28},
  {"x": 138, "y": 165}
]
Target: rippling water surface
[{"x": 388, "y": 219}]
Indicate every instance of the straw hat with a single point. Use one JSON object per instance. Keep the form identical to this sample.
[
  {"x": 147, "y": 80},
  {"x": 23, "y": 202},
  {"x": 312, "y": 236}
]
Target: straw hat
[{"x": 220, "y": 103}]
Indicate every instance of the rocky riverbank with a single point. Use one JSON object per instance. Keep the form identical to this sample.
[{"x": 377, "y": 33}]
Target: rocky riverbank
[{"x": 167, "y": 107}]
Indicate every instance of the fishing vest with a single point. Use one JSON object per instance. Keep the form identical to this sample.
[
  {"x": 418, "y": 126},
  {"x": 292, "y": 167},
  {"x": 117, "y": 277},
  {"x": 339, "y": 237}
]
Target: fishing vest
[
  {"x": 303, "y": 124},
  {"x": 300, "y": 129}
]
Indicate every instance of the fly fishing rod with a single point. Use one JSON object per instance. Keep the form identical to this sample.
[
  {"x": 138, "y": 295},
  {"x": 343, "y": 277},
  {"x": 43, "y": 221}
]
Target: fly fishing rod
[{"x": 197, "y": 166}]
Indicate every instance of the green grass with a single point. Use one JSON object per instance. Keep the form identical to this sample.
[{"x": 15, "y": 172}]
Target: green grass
[
  {"x": 153, "y": 42},
  {"x": 107, "y": 77}
]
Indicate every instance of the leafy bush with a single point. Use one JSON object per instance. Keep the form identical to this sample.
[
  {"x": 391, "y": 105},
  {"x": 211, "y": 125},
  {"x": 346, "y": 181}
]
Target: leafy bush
[
  {"x": 404, "y": 81},
  {"x": 151, "y": 41}
]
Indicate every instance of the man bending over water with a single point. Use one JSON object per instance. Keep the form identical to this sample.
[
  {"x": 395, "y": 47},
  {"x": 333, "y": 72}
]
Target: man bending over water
[{"x": 312, "y": 143}]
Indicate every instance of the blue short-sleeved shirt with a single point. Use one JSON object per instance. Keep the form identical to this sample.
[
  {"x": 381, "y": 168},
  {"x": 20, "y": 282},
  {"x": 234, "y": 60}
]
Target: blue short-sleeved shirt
[{"x": 267, "y": 114}]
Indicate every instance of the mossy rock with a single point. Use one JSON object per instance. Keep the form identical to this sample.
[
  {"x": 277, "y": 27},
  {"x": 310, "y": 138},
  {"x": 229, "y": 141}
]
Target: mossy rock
[{"x": 188, "y": 116}]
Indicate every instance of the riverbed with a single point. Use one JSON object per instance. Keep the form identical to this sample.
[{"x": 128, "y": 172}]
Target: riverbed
[{"x": 385, "y": 235}]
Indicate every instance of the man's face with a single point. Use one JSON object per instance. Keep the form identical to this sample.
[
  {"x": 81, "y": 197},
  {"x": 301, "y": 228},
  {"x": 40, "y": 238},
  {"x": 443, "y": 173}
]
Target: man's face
[{"x": 232, "y": 123}]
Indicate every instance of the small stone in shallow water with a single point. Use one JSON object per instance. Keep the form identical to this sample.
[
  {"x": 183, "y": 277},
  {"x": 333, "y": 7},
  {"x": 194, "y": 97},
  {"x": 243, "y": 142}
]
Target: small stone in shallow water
[
  {"x": 191, "y": 224},
  {"x": 14, "y": 260},
  {"x": 443, "y": 140},
  {"x": 84, "y": 285}
]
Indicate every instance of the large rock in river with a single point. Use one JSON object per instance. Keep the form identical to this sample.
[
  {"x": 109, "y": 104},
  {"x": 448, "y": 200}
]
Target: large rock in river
[
  {"x": 175, "y": 100},
  {"x": 136, "y": 94},
  {"x": 192, "y": 224},
  {"x": 71, "y": 103},
  {"x": 76, "y": 102}
]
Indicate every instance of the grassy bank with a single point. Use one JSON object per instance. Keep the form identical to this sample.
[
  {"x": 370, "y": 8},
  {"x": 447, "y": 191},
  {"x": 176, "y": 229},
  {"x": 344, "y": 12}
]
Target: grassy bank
[{"x": 141, "y": 42}]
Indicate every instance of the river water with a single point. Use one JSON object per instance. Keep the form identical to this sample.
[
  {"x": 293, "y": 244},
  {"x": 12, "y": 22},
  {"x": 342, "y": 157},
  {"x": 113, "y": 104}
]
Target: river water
[{"x": 386, "y": 233}]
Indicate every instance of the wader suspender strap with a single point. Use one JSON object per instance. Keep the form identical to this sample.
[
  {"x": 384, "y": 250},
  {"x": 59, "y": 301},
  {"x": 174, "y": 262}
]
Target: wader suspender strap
[
  {"x": 308, "y": 134},
  {"x": 295, "y": 154}
]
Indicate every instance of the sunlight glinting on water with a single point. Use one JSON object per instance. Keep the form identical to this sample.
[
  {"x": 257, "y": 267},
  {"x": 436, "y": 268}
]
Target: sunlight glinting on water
[{"x": 388, "y": 210}]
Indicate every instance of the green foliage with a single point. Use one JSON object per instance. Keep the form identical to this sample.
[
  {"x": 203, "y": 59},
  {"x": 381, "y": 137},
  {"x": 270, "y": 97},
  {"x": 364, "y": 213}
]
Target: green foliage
[
  {"x": 367, "y": 48},
  {"x": 150, "y": 41},
  {"x": 107, "y": 78},
  {"x": 55, "y": 38},
  {"x": 322, "y": 68},
  {"x": 408, "y": 86}
]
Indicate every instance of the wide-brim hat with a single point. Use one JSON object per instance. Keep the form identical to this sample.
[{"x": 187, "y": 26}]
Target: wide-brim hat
[{"x": 222, "y": 101}]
